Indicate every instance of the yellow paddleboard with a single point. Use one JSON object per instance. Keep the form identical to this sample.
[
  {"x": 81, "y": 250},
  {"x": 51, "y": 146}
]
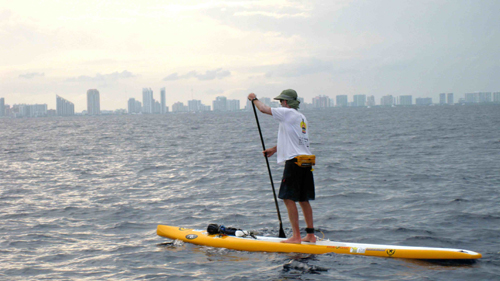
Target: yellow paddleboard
[{"x": 272, "y": 244}]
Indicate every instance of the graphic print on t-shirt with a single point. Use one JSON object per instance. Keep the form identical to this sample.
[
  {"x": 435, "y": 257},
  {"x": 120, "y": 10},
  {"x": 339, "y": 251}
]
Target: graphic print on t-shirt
[
  {"x": 303, "y": 126},
  {"x": 304, "y": 140}
]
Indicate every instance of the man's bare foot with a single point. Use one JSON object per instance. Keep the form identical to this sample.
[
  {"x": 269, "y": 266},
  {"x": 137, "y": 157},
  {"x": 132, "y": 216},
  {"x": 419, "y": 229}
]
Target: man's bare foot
[
  {"x": 310, "y": 238},
  {"x": 292, "y": 240}
]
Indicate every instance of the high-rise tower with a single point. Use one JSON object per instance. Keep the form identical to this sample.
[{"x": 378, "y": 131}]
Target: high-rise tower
[
  {"x": 163, "y": 108},
  {"x": 64, "y": 107},
  {"x": 93, "y": 102},
  {"x": 147, "y": 100},
  {"x": 2, "y": 107}
]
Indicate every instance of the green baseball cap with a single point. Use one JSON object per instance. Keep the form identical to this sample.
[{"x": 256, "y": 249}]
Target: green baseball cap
[{"x": 287, "y": 95}]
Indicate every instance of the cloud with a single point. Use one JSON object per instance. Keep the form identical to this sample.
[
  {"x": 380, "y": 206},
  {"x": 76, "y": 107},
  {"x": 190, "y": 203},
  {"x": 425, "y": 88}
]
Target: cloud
[
  {"x": 298, "y": 68},
  {"x": 31, "y": 75},
  {"x": 214, "y": 91},
  {"x": 5, "y": 15},
  {"x": 271, "y": 14},
  {"x": 287, "y": 18},
  {"x": 172, "y": 77},
  {"x": 103, "y": 77},
  {"x": 208, "y": 75}
]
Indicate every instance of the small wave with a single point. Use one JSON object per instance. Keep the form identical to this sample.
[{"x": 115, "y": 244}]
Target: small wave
[
  {"x": 172, "y": 244},
  {"x": 459, "y": 200},
  {"x": 476, "y": 217},
  {"x": 46, "y": 226},
  {"x": 409, "y": 230},
  {"x": 303, "y": 267},
  {"x": 428, "y": 241},
  {"x": 152, "y": 170},
  {"x": 129, "y": 226}
]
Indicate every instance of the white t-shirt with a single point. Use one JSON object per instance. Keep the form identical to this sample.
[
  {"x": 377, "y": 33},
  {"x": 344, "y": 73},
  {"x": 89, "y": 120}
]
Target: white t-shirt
[{"x": 293, "y": 139}]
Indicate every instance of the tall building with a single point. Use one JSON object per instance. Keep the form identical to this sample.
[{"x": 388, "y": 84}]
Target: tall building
[
  {"x": 147, "y": 100},
  {"x": 248, "y": 106},
  {"x": 496, "y": 97},
  {"x": 179, "y": 107},
  {"x": 233, "y": 105},
  {"x": 442, "y": 99},
  {"x": 270, "y": 102},
  {"x": 134, "y": 106},
  {"x": 163, "y": 99},
  {"x": 93, "y": 102},
  {"x": 38, "y": 110},
  {"x": 64, "y": 107},
  {"x": 480, "y": 97},
  {"x": 471, "y": 97},
  {"x": 484, "y": 97},
  {"x": 321, "y": 102},
  {"x": 359, "y": 100},
  {"x": 450, "y": 98},
  {"x": 2, "y": 107},
  {"x": 156, "y": 107},
  {"x": 423, "y": 101},
  {"x": 194, "y": 105},
  {"x": 342, "y": 100},
  {"x": 387, "y": 100},
  {"x": 370, "y": 101},
  {"x": 8, "y": 110},
  {"x": 30, "y": 110},
  {"x": 405, "y": 100},
  {"x": 220, "y": 104},
  {"x": 131, "y": 106}
]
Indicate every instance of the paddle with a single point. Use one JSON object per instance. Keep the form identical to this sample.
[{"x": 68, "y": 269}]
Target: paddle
[{"x": 282, "y": 233}]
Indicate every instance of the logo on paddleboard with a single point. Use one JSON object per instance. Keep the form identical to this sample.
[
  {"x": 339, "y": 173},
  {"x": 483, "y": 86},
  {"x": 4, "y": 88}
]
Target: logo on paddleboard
[
  {"x": 390, "y": 252},
  {"x": 338, "y": 247},
  {"x": 355, "y": 250},
  {"x": 191, "y": 236}
]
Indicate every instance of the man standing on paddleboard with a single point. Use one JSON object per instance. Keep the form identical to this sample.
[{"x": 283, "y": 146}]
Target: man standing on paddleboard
[{"x": 292, "y": 149}]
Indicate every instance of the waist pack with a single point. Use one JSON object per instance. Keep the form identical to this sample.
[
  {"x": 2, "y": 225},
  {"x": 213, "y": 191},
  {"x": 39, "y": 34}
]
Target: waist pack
[{"x": 305, "y": 161}]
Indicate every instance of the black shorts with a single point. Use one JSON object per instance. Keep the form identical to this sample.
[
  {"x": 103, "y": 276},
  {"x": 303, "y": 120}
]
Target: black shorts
[{"x": 297, "y": 183}]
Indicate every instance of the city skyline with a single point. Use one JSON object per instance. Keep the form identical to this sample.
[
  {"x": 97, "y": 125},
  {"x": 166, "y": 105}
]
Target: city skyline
[
  {"x": 148, "y": 93},
  {"x": 221, "y": 103},
  {"x": 199, "y": 50}
]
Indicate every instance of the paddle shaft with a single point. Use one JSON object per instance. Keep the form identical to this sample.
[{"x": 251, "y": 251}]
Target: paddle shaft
[{"x": 282, "y": 233}]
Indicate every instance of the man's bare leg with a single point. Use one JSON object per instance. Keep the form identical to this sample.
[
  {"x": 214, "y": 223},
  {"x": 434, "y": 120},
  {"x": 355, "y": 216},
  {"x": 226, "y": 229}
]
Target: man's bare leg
[
  {"x": 293, "y": 216},
  {"x": 308, "y": 217}
]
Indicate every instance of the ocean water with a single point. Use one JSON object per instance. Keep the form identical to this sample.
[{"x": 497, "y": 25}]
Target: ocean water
[{"x": 80, "y": 197}]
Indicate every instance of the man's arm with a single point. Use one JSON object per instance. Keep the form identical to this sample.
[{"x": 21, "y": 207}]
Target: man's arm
[
  {"x": 260, "y": 105},
  {"x": 270, "y": 151}
]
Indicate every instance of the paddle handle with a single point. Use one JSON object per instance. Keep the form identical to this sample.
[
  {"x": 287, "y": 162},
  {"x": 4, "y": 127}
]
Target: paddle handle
[{"x": 282, "y": 233}]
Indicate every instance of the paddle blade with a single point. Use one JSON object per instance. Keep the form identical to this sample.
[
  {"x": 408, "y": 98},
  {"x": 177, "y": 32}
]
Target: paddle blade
[{"x": 282, "y": 233}]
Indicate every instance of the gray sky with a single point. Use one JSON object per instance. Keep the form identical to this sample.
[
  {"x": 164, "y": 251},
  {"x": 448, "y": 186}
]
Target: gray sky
[{"x": 203, "y": 49}]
